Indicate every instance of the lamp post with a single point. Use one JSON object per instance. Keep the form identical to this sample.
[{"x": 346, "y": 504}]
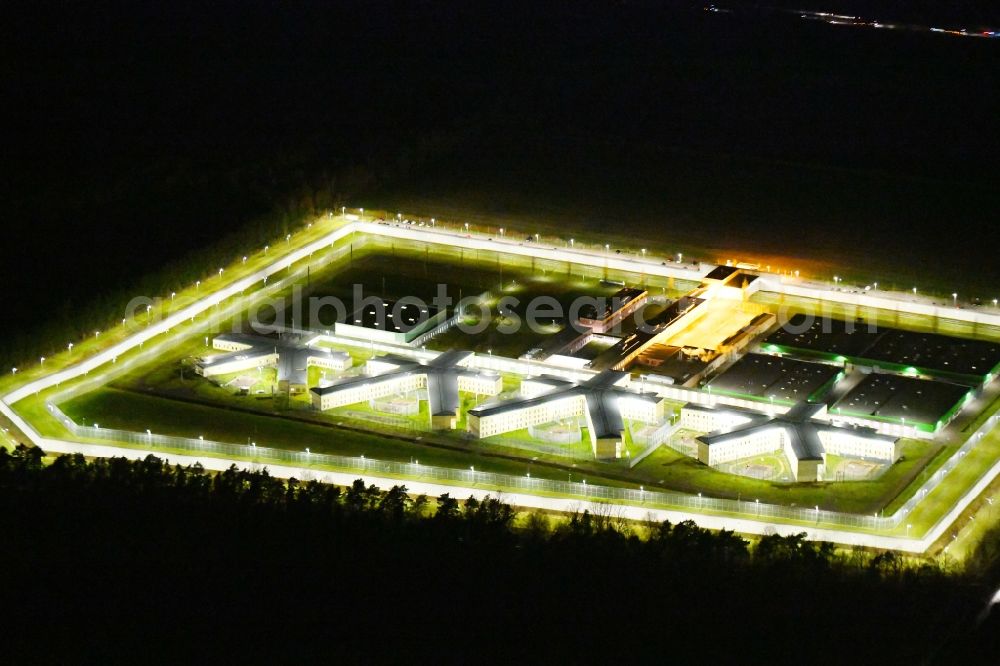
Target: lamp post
[
  {"x": 42, "y": 361},
  {"x": 680, "y": 257},
  {"x": 914, "y": 291},
  {"x": 572, "y": 241},
  {"x": 362, "y": 212},
  {"x": 173, "y": 295},
  {"x": 197, "y": 285},
  {"x": 220, "y": 272},
  {"x": 244, "y": 259},
  {"x": 288, "y": 238},
  {"x": 607, "y": 248},
  {"x": 434, "y": 224},
  {"x": 954, "y": 299},
  {"x": 643, "y": 253},
  {"x": 13, "y": 371},
  {"x": 69, "y": 348},
  {"x": 836, "y": 280},
  {"x": 266, "y": 248}
]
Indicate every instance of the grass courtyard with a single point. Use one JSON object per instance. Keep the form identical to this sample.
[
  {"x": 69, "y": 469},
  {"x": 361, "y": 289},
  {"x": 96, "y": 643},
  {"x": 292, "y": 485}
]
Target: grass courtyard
[{"x": 168, "y": 398}]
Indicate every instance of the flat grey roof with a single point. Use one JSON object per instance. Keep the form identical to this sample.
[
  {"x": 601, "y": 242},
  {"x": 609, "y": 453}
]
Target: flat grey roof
[
  {"x": 620, "y": 298},
  {"x": 382, "y": 318}
]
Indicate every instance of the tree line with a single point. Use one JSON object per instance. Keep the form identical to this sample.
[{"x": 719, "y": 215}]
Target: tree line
[{"x": 115, "y": 555}]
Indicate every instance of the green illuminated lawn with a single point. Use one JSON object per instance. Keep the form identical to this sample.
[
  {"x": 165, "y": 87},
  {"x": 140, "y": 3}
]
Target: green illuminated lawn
[
  {"x": 298, "y": 427},
  {"x": 168, "y": 399},
  {"x": 981, "y": 458},
  {"x": 686, "y": 474},
  {"x": 197, "y": 407}
]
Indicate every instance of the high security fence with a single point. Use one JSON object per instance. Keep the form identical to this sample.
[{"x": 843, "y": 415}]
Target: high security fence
[{"x": 528, "y": 484}]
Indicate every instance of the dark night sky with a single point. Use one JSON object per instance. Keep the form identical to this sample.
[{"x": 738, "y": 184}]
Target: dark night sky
[{"x": 139, "y": 131}]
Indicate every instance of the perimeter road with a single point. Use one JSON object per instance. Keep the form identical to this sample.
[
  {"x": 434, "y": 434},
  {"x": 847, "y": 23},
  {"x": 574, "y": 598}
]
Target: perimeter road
[{"x": 534, "y": 249}]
